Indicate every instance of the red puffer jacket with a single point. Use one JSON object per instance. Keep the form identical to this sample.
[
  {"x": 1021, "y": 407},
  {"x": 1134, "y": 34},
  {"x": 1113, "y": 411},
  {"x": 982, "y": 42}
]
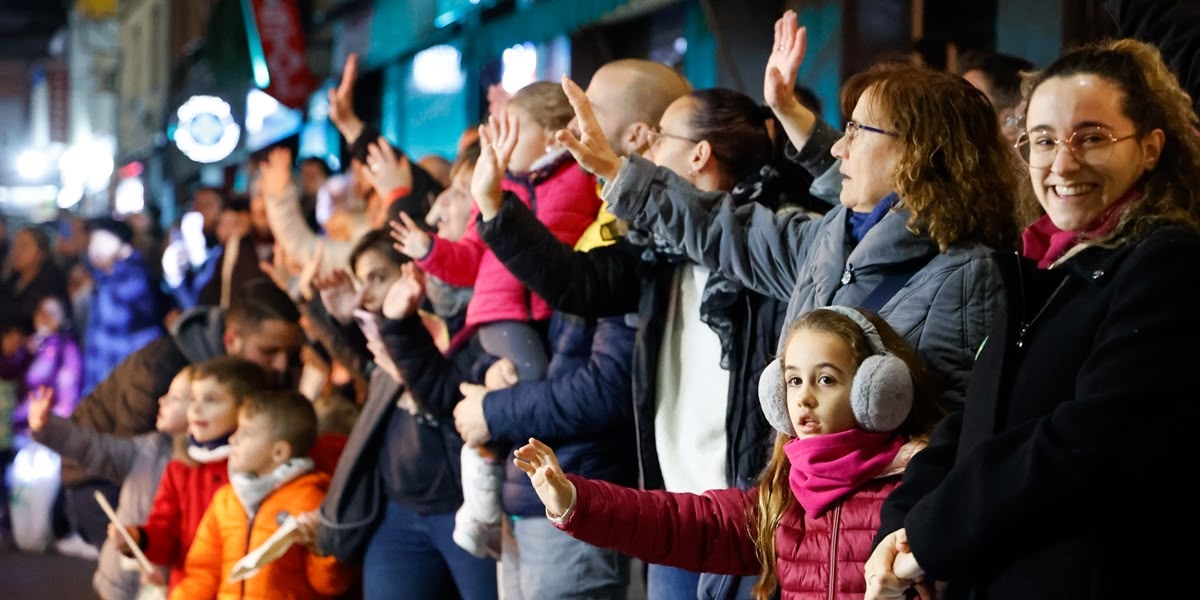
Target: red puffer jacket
[
  {"x": 819, "y": 557},
  {"x": 184, "y": 493},
  {"x": 564, "y": 199}
]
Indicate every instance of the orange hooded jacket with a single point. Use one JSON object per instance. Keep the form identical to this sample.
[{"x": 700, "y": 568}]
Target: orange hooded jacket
[{"x": 226, "y": 534}]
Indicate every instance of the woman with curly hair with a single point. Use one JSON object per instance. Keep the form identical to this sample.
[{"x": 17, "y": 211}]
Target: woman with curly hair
[
  {"x": 1080, "y": 417},
  {"x": 926, "y": 199}
]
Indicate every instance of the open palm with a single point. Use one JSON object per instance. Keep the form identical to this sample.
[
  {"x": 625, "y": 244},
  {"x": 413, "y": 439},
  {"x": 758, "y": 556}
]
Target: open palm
[
  {"x": 786, "y": 57},
  {"x": 338, "y": 294},
  {"x": 538, "y": 461},
  {"x": 405, "y": 295},
  {"x": 497, "y": 139}
]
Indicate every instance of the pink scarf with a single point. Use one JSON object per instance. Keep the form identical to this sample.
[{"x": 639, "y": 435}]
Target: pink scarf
[
  {"x": 1044, "y": 242},
  {"x": 827, "y": 467}
]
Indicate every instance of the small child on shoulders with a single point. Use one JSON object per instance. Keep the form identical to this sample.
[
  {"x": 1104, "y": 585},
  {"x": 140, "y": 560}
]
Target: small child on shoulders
[
  {"x": 271, "y": 477},
  {"x": 218, "y": 389}
]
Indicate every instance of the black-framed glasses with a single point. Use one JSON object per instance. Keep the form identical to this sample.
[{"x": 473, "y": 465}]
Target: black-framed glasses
[
  {"x": 852, "y": 129},
  {"x": 657, "y": 134},
  {"x": 1090, "y": 146}
]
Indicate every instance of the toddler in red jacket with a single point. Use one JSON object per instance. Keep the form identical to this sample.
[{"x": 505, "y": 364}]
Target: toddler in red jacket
[
  {"x": 851, "y": 407},
  {"x": 218, "y": 387},
  {"x": 510, "y": 319}
]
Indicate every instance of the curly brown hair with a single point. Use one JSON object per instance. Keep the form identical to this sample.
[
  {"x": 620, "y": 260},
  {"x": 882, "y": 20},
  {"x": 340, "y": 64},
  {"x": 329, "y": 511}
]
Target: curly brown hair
[
  {"x": 957, "y": 174},
  {"x": 1152, "y": 99},
  {"x": 774, "y": 491}
]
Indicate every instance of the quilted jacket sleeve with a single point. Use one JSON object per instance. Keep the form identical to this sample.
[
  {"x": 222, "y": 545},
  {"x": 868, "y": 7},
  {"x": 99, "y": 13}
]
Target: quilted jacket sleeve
[
  {"x": 160, "y": 534},
  {"x": 707, "y": 533},
  {"x": 591, "y": 399},
  {"x": 751, "y": 244}
]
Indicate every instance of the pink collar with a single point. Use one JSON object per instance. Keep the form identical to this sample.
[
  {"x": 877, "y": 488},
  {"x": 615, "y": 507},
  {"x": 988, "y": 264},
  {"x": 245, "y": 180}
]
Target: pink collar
[
  {"x": 1044, "y": 242},
  {"x": 827, "y": 467}
]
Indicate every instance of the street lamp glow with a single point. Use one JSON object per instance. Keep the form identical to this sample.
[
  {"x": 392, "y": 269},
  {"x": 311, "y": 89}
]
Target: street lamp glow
[{"x": 32, "y": 164}]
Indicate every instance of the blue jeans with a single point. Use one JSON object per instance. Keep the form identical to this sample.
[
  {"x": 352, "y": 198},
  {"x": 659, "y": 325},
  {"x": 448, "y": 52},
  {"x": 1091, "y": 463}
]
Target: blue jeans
[
  {"x": 412, "y": 557},
  {"x": 540, "y": 562},
  {"x": 669, "y": 583}
]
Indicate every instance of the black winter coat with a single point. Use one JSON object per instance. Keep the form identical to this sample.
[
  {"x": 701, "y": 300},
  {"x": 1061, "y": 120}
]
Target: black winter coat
[{"x": 1064, "y": 470}]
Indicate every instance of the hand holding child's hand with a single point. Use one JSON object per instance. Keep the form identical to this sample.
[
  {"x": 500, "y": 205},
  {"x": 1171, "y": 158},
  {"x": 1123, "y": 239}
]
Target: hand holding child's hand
[
  {"x": 118, "y": 540},
  {"x": 497, "y": 140},
  {"x": 411, "y": 240},
  {"x": 468, "y": 415},
  {"x": 40, "y": 401},
  {"x": 552, "y": 486},
  {"x": 590, "y": 149},
  {"x": 501, "y": 375}
]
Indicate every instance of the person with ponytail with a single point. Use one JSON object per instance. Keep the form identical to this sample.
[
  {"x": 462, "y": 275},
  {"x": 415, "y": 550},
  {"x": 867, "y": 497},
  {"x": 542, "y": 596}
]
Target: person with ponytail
[{"x": 852, "y": 407}]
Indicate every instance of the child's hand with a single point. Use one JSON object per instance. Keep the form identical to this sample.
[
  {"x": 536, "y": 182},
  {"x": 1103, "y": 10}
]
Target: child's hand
[
  {"x": 118, "y": 540},
  {"x": 307, "y": 525},
  {"x": 786, "y": 57},
  {"x": 552, "y": 486},
  {"x": 276, "y": 173},
  {"x": 338, "y": 294},
  {"x": 590, "y": 149},
  {"x": 405, "y": 294},
  {"x": 384, "y": 171},
  {"x": 497, "y": 140},
  {"x": 501, "y": 375},
  {"x": 411, "y": 240},
  {"x": 40, "y": 401},
  {"x": 154, "y": 578}
]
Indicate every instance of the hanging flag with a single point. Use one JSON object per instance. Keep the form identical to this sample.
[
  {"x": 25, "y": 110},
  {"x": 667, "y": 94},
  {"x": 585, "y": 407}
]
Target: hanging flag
[{"x": 277, "y": 58}]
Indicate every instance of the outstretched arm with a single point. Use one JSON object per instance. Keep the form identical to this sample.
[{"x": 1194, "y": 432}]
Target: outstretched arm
[{"x": 708, "y": 533}]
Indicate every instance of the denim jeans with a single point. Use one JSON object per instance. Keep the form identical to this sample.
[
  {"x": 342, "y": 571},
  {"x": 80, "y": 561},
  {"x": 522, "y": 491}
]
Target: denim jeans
[
  {"x": 539, "y": 562},
  {"x": 412, "y": 557},
  {"x": 669, "y": 583}
]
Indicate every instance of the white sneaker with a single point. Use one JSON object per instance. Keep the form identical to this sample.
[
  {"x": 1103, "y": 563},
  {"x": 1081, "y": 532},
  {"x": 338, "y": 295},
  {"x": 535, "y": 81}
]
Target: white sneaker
[
  {"x": 73, "y": 545},
  {"x": 482, "y": 540}
]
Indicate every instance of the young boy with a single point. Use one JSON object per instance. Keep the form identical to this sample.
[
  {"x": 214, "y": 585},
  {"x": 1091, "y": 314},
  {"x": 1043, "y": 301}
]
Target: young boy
[
  {"x": 218, "y": 388},
  {"x": 271, "y": 477},
  {"x": 137, "y": 462}
]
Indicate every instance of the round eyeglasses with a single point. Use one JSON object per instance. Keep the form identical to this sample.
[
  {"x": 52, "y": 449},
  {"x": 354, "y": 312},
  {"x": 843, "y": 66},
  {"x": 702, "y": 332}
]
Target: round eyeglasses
[{"x": 1090, "y": 146}]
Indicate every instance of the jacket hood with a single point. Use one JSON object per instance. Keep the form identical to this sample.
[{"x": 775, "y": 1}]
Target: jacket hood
[{"x": 199, "y": 333}]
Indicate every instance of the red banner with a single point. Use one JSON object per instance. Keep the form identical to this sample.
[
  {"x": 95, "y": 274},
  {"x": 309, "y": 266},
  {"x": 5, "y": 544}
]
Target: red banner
[{"x": 283, "y": 46}]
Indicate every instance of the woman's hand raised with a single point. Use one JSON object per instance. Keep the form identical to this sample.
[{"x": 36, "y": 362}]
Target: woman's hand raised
[
  {"x": 590, "y": 149},
  {"x": 552, "y": 486}
]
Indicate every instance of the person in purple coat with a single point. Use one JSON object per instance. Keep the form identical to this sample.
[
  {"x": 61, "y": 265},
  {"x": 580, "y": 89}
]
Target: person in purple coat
[{"x": 50, "y": 359}]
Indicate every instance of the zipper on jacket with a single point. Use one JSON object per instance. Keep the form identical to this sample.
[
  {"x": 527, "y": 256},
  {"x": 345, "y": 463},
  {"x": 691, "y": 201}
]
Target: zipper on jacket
[
  {"x": 835, "y": 530},
  {"x": 249, "y": 534},
  {"x": 1027, "y": 323}
]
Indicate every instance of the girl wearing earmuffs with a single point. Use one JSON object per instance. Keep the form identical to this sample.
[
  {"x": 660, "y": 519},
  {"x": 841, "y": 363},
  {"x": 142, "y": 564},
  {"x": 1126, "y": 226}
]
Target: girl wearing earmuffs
[{"x": 851, "y": 408}]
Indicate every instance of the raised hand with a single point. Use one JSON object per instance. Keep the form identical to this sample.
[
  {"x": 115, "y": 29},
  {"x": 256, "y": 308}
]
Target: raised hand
[
  {"x": 411, "y": 240},
  {"x": 384, "y": 171},
  {"x": 590, "y": 149},
  {"x": 338, "y": 294},
  {"x": 276, "y": 173},
  {"x": 40, "y": 401},
  {"x": 497, "y": 139},
  {"x": 405, "y": 295},
  {"x": 787, "y": 55},
  {"x": 538, "y": 461},
  {"x": 305, "y": 280},
  {"x": 341, "y": 102}
]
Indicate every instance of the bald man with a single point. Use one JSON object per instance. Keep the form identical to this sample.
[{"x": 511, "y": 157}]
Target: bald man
[{"x": 629, "y": 96}]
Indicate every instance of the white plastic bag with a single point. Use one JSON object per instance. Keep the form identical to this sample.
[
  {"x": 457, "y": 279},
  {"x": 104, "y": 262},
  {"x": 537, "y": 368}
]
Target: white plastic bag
[{"x": 34, "y": 483}]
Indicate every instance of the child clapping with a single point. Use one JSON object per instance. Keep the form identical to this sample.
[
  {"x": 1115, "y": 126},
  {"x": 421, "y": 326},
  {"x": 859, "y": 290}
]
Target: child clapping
[
  {"x": 270, "y": 478},
  {"x": 218, "y": 387}
]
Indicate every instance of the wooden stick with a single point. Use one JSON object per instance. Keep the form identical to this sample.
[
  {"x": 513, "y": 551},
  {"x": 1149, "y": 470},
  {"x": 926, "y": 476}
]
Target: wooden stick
[{"x": 143, "y": 562}]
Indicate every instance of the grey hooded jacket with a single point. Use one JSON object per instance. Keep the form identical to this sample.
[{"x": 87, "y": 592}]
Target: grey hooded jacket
[{"x": 943, "y": 310}]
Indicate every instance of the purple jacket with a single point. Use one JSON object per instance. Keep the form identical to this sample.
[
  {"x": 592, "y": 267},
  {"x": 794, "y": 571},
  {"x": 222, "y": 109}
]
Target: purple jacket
[{"x": 56, "y": 364}]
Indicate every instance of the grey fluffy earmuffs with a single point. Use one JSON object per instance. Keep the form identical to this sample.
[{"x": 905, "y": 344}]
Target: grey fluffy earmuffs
[{"x": 881, "y": 394}]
